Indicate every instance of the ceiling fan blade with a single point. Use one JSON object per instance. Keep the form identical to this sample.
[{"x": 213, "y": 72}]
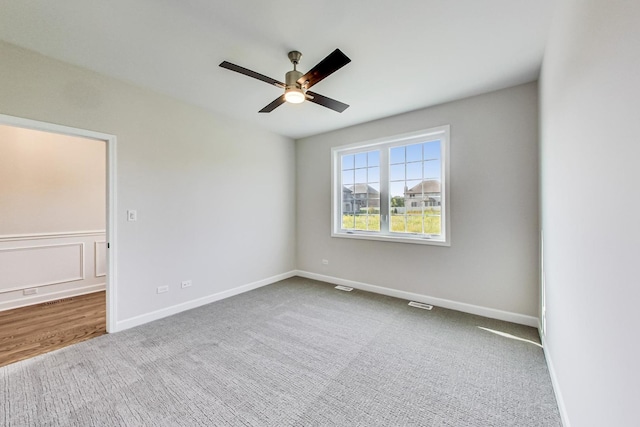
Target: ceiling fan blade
[
  {"x": 327, "y": 102},
  {"x": 333, "y": 62},
  {"x": 247, "y": 72},
  {"x": 275, "y": 104}
]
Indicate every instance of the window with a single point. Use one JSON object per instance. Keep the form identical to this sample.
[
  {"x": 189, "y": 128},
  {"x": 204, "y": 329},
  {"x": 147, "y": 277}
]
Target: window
[{"x": 393, "y": 189}]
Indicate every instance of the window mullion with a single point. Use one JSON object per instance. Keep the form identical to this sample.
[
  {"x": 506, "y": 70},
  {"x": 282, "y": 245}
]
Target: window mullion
[
  {"x": 384, "y": 191},
  {"x": 423, "y": 202}
]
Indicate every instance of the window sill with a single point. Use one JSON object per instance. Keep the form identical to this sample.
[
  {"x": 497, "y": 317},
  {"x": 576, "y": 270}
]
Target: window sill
[{"x": 392, "y": 238}]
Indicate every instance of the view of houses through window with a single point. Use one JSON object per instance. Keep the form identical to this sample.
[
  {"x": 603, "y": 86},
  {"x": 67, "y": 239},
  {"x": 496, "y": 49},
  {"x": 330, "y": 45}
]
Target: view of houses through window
[
  {"x": 414, "y": 187},
  {"x": 361, "y": 191}
]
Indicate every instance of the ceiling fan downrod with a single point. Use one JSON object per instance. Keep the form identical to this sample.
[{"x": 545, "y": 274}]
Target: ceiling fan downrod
[{"x": 294, "y": 57}]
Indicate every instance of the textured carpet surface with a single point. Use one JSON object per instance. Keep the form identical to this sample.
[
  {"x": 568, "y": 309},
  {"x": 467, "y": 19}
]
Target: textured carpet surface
[{"x": 295, "y": 353}]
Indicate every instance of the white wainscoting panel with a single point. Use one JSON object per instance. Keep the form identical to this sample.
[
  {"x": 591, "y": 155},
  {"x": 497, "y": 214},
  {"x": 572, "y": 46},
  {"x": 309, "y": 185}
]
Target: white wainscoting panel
[
  {"x": 100, "y": 251},
  {"x": 42, "y": 267}
]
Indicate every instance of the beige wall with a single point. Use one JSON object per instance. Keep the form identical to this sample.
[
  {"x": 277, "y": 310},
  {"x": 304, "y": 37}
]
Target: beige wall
[{"x": 50, "y": 183}]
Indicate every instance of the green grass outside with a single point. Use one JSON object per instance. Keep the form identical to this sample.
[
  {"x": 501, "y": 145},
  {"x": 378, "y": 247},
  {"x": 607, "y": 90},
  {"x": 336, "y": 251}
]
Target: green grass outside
[{"x": 399, "y": 223}]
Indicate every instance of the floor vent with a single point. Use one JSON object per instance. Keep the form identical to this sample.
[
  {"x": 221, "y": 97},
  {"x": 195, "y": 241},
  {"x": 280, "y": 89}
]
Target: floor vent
[
  {"x": 58, "y": 301},
  {"x": 420, "y": 305},
  {"x": 344, "y": 288}
]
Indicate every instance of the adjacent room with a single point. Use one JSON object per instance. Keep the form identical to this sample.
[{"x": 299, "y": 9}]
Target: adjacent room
[
  {"x": 427, "y": 216},
  {"x": 53, "y": 244}
]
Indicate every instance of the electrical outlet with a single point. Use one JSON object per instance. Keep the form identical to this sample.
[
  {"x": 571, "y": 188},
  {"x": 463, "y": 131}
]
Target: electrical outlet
[
  {"x": 185, "y": 284},
  {"x": 30, "y": 291},
  {"x": 162, "y": 289},
  {"x": 325, "y": 262}
]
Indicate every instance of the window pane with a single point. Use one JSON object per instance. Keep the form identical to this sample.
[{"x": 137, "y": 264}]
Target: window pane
[
  {"x": 396, "y": 189},
  {"x": 432, "y": 169},
  {"x": 348, "y": 204},
  {"x": 414, "y": 153},
  {"x": 348, "y": 221},
  {"x": 361, "y": 160},
  {"x": 373, "y": 219},
  {"x": 373, "y": 158},
  {"x": 396, "y": 155},
  {"x": 414, "y": 189},
  {"x": 395, "y": 203},
  {"x": 414, "y": 170},
  {"x": 374, "y": 174},
  {"x": 432, "y": 220},
  {"x": 347, "y": 162},
  {"x": 431, "y": 186},
  {"x": 347, "y": 177},
  {"x": 397, "y": 223},
  {"x": 432, "y": 150},
  {"x": 414, "y": 223},
  {"x": 361, "y": 191},
  {"x": 374, "y": 209},
  {"x": 361, "y": 176},
  {"x": 361, "y": 222},
  {"x": 396, "y": 172},
  {"x": 373, "y": 223}
]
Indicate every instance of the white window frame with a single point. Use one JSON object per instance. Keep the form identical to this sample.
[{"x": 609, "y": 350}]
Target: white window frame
[{"x": 441, "y": 133}]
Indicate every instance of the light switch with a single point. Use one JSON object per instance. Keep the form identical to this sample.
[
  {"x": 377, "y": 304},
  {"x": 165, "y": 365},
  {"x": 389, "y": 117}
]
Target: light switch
[{"x": 132, "y": 215}]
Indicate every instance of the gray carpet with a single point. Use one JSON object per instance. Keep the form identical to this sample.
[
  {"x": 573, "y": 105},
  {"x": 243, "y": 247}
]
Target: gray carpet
[{"x": 295, "y": 353}]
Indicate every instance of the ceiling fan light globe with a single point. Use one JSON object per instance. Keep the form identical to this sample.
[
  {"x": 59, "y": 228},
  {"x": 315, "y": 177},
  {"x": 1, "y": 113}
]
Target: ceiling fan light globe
[{"x": 294, "y": 96}]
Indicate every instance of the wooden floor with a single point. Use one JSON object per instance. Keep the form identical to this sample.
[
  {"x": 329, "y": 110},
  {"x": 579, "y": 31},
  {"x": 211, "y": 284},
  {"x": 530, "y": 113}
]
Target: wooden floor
[{"x": 29, "y": 331}]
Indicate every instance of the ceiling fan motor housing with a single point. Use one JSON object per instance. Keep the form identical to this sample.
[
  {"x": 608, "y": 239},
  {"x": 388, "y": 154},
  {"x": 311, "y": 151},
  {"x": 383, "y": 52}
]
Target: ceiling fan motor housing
[
  {"x": 293, "y": 93},
  {"x": 291, "y": 79}
]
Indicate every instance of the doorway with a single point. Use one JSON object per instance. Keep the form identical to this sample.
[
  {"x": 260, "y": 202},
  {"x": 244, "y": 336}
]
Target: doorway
[{"x": 105, "y": 245}]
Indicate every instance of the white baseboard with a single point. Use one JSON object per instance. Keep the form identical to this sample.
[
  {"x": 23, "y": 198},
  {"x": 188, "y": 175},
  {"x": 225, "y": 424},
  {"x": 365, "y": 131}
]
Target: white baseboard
[
  {"x": 51, "y": 296},
  {"x": 121, "y": 325},
  {"x": 564, "y": 416},
  {"x": 439, "y": 302}
]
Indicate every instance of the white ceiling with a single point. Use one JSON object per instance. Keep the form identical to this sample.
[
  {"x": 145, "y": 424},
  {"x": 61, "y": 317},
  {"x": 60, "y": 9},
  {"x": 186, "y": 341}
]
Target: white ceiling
[{"x": 406, "y": 54}]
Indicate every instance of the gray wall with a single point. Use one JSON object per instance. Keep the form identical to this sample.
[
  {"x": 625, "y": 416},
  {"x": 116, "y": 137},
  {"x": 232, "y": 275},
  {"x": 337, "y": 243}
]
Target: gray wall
[
  {"x": 492, "y": 261},
  {"x": 590, "y": 183},
  {"x": 181, "y": 168}
]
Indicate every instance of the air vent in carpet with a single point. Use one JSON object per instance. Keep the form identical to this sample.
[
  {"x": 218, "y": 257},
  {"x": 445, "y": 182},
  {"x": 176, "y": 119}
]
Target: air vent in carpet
[{"x": 420, "y": 305}]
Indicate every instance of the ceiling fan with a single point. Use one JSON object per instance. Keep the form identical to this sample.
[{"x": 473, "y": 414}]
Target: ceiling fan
[{"x": 296, "y": 88}]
